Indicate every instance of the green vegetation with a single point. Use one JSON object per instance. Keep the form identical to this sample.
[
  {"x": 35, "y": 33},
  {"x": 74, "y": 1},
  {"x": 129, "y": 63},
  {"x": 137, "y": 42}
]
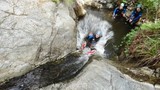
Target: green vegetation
[
  {"x": 56, "y": 1},
  {"x": 70, "y": 1},
  {"x": 151, "y": 7},
  {"x": 151, "y": 26},
  {"x": 130, "y": 36},
  {"x": 143, "y": 44}
]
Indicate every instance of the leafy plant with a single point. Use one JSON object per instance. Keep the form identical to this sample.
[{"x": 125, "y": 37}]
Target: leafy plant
[
  {"x": 151, "y": 7},
  {"x": 151, "y": 26},
  {"x": 130, "y": 36},
  {"x": 70, "y": 1},
  {"x": 144, "y": 44}
]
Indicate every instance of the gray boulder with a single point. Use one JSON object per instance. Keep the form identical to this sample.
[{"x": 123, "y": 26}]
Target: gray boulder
[
  {"x": 33, "y": 32},
  {"x": 79, "y": 8},
  {"x": 99, "y": 75}
]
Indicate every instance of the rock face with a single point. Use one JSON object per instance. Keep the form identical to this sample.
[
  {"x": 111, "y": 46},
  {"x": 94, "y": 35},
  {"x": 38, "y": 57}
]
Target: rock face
[
  {"x": 98, "y": 4},
  {"x": 33, "y": 32},
  {"x": 99, "y": 75},
  {"x": 79, "y": 8}
]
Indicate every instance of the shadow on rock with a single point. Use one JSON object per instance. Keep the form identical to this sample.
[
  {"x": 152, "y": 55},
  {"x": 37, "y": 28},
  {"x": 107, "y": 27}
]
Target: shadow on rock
[{"x": 49, "y": 73}]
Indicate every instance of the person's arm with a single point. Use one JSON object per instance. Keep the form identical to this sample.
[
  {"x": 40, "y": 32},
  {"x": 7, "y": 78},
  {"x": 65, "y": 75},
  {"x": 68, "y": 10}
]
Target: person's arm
[
  {"x": 132, "y": 16},
  {"x": 124, "y": 11},
  {"x": 114, "y": 12},
  {"x": 137, "y": 18}
]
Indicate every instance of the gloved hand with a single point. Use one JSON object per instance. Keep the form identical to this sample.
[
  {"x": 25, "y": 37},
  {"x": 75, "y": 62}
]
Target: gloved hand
[
  {"x": 113, "y": 17},
  {"x": 130, "y": 20}
]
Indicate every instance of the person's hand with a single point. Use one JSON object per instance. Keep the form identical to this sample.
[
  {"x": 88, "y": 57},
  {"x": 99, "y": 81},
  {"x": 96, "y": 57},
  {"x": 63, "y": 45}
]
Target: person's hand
[
  {"x": 83, "y": 45},
  {"x": 130, "y": 20},
  {"x": 124, "y": 15},
  {"x": 113, "y": 17}
]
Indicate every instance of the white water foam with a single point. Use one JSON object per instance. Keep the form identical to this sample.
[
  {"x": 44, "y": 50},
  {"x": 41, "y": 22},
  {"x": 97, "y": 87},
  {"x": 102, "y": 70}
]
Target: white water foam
[{"x": 91, "y": 23}]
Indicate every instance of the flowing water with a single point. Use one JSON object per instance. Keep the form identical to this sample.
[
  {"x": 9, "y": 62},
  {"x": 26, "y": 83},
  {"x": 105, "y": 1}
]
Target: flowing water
[
  {"x": 112, "y": 30},
  {"x": 91, "y": 23},
  {"x": 68, "y": 67}
]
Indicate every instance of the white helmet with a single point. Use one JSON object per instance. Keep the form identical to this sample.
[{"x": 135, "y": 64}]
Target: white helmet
[
  {"x": 99, "y": 33},
  {"x": 122, "y": 5}
]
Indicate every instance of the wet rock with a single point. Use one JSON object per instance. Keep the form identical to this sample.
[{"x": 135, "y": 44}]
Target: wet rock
[
  {"x": 46, "y": 74},
  {"x": 157, "y": 87},
  {"x": 147, "y": 71},
  {"x": 88, "y": 1},
  {"x": 157, "y": 72},
  {"x": 79, "y": 8},
  {"x": 96, "y": 5},
  {"x": 100, "y": 4},
  {"x": 93, "y": 3},
  {"x": 105, "y": 1},
  {"x": 109, "y": 5},
  {"x": 142, "y": 71},
  {"x": 33, "y": 32},
  {"x": 99, "y": 75}
]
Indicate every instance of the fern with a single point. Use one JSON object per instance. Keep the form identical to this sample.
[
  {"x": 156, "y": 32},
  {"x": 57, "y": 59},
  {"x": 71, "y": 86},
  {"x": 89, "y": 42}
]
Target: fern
[
  {"x": 151, "y": 43},
  {"x": 151, "y": 26}
]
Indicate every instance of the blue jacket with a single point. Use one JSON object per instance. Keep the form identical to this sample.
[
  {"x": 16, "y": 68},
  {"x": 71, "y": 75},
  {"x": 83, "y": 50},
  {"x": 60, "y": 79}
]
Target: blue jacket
[
  {"x": 117, "y": 11},
  {"x": 135, "y": 16},
  {"x": 90, "y": 37}
]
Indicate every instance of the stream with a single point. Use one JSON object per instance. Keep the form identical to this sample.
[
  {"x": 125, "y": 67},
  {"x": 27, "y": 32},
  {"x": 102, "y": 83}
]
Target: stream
[
  {"x": 118, "y": 29},
  {"x": 71, "y": 65}
]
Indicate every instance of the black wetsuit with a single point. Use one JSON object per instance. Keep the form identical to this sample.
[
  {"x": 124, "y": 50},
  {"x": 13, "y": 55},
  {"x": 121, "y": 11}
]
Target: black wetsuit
[
  {"x": 92, "y": 41},
  {"x": 97, "y": 39}
]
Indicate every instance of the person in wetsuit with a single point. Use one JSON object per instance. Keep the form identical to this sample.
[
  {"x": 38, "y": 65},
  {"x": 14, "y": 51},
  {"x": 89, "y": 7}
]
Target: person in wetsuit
[
  {"x": 136, "y": 15},
  {"x": 119, "y": 11},
  {"x": 92, "y": 38}
]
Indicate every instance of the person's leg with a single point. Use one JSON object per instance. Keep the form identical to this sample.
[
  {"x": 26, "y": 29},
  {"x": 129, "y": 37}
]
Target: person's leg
[
  {"x": 88, "y": 44},
  {"x": 134, "y": 22}
]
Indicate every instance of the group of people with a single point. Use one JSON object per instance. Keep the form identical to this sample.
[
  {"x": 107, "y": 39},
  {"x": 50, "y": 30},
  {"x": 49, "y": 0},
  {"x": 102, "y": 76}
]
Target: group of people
[{"x": 120, "y": 12}]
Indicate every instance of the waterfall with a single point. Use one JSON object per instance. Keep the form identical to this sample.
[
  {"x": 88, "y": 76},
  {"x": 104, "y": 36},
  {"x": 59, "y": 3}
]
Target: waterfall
[{"x": 91, "y": 23}]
